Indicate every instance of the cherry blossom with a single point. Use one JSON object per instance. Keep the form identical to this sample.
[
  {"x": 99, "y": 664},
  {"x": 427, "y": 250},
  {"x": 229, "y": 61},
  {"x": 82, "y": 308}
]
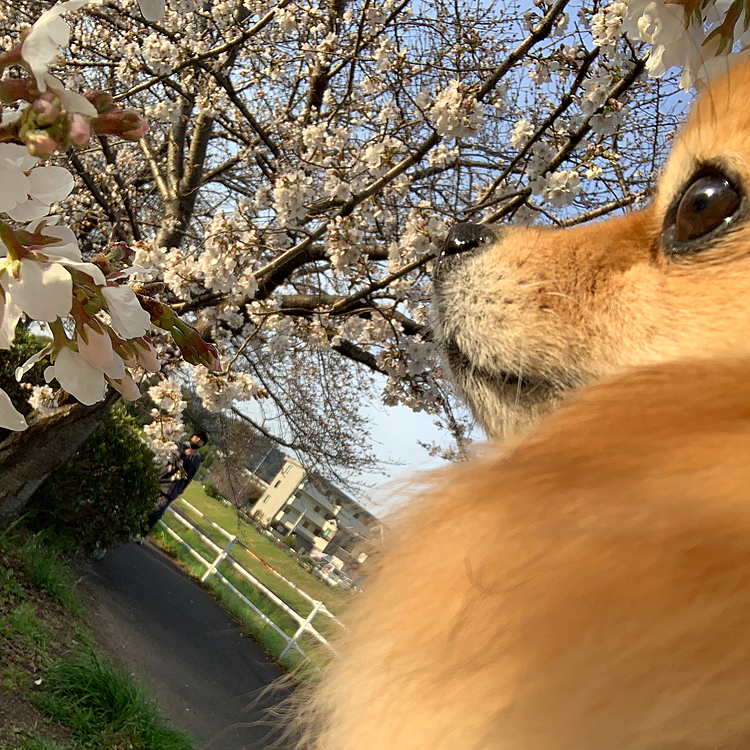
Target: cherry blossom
[
  {"x": 77, "y": 376},
  {"x": 48, "y": 36},
  {"x": 26, "y": 191},
  {"x": 42, "y": 399},
  {"x": 300, "y": 175},
  {"x": 41, "y": 290},
  {"x": 128, "y": 317},
  {"x": 10, "y": 417}
]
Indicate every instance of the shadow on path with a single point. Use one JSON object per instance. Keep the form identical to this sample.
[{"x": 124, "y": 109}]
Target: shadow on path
[{"x": 165, "y": 628}]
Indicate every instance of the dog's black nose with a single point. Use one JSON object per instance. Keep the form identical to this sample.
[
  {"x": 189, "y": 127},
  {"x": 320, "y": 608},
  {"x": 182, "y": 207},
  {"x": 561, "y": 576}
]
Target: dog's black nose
[{"x": 466, "y": 236}]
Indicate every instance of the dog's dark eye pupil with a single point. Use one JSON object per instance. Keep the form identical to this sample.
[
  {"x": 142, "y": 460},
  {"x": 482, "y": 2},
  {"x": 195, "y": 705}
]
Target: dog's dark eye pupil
[{"x": 706, "y": 204}]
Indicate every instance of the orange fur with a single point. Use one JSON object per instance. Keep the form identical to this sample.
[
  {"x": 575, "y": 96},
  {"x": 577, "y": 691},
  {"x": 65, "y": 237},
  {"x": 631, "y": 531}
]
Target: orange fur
[
  {"x": 589, "y": 591},
  {"x": 563, "y": 308},
  {"x": 588, "y": 587}
]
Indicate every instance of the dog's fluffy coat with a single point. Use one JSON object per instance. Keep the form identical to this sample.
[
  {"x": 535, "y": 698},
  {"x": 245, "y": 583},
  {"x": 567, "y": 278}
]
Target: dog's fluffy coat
[{"x": 587, "y": 588}]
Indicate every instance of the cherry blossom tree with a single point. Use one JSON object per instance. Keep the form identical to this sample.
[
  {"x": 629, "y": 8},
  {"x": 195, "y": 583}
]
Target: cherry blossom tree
[{"x": 303, "y": 164}]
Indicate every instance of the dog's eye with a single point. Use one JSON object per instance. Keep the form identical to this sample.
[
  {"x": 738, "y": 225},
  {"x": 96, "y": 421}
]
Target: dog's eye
[{"x": 708, "y": 202}]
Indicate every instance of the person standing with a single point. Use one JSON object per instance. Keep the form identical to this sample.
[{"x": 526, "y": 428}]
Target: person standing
[{"x": 176, "y": 478}]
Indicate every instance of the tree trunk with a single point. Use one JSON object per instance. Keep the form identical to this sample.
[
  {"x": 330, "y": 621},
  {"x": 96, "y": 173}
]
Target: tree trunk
[{"x": 27, "y": 458}]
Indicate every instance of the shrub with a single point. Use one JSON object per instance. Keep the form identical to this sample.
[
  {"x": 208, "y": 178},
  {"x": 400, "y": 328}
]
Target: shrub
[
  {"x": 100, "y": 497},
  {"x": 290, "y": 541},
  {"x": 212, "y": 491}
]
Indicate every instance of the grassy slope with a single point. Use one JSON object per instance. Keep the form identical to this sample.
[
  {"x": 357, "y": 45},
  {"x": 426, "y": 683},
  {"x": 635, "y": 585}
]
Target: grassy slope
[
  {"x": 279, "y": 559},
  {"x": 227, "y": 518},
  {"x": 56, "y": 691}
]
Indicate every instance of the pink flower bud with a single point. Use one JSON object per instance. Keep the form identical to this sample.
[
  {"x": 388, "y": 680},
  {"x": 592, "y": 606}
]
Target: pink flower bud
[
  {"x": 46, "y": 109},
  {"x": 79, "y": 130},
  {"x": 135, "y": 125},
  {"x": 40, "y": 143},
  {"x": 128, "y": 124}
]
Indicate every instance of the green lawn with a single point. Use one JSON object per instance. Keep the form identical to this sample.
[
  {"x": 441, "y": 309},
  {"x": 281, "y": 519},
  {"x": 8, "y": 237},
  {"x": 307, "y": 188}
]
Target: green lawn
[
  {"x": 265, "y": 549},
  {"x": 228, "y": 518}
]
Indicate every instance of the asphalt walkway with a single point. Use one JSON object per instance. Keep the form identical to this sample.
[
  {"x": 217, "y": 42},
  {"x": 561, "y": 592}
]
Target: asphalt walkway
[{"x": 209, "y": 679}]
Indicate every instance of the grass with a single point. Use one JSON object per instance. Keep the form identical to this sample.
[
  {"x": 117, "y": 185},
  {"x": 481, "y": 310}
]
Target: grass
[
  {"x": 56, "y": 691},
  {"x": 104, "y": 707},
  {"x": 228, "y": 518},
  {"x": 46, "y": 570}
]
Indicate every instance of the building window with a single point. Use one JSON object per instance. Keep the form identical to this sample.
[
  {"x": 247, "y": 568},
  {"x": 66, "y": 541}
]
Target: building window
[
  {"x": 306, "y": 524},
  {"x": 356, "y": 515},
  {"x": 278, "y": 482},
  {"x": 317, "y": 509}
]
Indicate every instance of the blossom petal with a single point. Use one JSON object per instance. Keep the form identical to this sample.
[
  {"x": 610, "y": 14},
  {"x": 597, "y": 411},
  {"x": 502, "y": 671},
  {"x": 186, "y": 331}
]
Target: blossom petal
[
  {"x": 10, "y": 314},
  {"x": 31, "y": 209},
  {"x": 127, "y": 387},
  {"x": 146, "y": 355},
  {"x": 18, "y": 156},
  {"x": 88, "y": 268},
  {"x": 44, "y": 291},
  {"x": 80, "y": 379},
  {"x": 96, "y": 348},
  {"x": 68, "y": 247},
  {"x": 10, "y": 417},
  {"x": 47, "y": 37},
  {"x": 116, "y": 368},
  {"x": 14, "y": 188},
  {"x": 50, "y": 184},
  {"x": 128, "y": 317},
  {"x": 31, "y": 361}
]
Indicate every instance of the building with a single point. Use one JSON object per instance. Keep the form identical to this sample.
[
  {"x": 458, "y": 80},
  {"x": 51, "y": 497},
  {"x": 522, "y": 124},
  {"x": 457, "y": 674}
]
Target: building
[{"x": 315, "y": 511}]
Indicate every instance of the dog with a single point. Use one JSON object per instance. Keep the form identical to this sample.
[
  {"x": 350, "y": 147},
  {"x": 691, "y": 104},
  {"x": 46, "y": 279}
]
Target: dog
[
  {"x": 585, "y": 586},
  {"x": 526, "y": 315}
]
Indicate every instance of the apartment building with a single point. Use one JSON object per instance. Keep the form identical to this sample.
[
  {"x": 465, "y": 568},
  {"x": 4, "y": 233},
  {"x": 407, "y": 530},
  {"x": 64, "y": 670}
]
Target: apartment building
[{"x": 311, "y": 508}]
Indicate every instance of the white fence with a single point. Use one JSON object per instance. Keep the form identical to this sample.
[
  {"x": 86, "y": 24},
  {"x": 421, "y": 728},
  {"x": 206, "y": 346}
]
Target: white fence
[{"x": 304, "y": 623}]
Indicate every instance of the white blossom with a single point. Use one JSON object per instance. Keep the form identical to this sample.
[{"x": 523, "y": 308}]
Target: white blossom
[
  {"x": 10, "y": 417},
  {"x": 10, "y": 314},
  {"x": 606, "y": 25},
  {"x": 42, "y": 290},
  {"x": 561, "y": 188},
  {"x": 42, "y": 399},
  {"x": 454, "y": 113},
  {"x": 76, "y": 376},
  {"x": 26, "y": 193},
  {"x": 522, "y": 131},
  {"x": 129, "y": 319},
  {"x": 47, "y": 38}
]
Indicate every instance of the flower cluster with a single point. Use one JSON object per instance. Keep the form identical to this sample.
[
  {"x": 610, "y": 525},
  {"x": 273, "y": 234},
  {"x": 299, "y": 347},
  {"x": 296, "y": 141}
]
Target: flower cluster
[
  {"x": 456, "y": 113},
  {"x": 100, "y": 331},
  {"x": 218, "y": 391},
  {"x": 166, "y": 426},
  {"x": 703, "y": 39}
]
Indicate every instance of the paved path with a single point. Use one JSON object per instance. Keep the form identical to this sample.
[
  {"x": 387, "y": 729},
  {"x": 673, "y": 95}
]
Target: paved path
[{"x": 164, "y": 627}]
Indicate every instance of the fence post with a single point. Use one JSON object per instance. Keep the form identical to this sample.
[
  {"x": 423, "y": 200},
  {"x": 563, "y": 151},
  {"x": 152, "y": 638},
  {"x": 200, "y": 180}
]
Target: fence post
[
  {"x": 220, "y": 558},
  {"x": 293, "y": 642}
]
